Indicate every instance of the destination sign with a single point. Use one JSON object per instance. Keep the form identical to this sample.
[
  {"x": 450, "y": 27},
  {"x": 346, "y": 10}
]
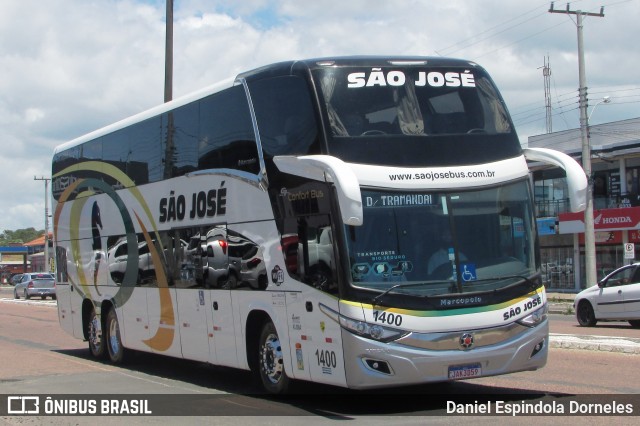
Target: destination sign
[{"x": 399, "y": 200}]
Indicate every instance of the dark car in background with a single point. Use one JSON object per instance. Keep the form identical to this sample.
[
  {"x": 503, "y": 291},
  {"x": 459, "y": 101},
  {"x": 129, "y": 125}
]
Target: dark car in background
[
  {"x": 35, "y": 285},
  {"x": 15, "y": 279}
]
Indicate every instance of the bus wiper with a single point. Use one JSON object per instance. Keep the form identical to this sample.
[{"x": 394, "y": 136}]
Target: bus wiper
[
  {"x": 532, "y": 284},
  {"x": 379, "y": 297}
]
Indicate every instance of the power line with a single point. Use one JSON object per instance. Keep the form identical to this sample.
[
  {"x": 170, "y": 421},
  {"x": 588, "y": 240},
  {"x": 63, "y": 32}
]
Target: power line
[{"x": 478, "y": 37}]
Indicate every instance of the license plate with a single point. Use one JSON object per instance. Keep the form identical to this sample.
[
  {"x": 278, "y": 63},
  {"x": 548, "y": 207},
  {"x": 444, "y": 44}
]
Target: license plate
[{"x": 465, "y": 371}]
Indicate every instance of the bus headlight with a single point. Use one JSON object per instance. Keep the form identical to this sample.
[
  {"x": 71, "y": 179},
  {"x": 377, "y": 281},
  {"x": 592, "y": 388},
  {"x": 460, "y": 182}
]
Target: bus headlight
[
  {"x": 363, "y": 328},
  {"x": 536, "y": 317},
  {"x": 371, "y": 331}
]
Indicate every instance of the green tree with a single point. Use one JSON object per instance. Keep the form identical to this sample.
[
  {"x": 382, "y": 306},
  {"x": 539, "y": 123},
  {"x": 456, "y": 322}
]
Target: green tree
[{"x": 19, "y": 236}]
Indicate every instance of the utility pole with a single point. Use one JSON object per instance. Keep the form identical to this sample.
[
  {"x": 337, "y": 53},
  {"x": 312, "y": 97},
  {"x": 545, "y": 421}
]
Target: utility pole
[
  {"x": 168, "y": 90},
  {"x": 546, "y": 72},
  {"x": 589, "y": 231},
  {"x": 168, "y": 56},
  {"x": 46, "y": 221}
]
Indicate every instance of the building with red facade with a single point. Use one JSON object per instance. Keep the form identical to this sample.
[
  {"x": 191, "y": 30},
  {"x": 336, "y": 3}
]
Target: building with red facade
[{"x": 615, "y": 159}]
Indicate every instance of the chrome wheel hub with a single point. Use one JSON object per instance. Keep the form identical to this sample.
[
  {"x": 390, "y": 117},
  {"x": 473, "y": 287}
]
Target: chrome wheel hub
[
  {"x": 271, "y": 362},
  {"x": 95, "y": 333}
]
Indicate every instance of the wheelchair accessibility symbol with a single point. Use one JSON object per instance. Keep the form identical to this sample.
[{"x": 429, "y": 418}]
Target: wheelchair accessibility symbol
[{"x": 468, "y": 272}]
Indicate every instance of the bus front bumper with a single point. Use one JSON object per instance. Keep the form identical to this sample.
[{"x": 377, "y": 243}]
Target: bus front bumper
[{"x": 372, "y": 364}]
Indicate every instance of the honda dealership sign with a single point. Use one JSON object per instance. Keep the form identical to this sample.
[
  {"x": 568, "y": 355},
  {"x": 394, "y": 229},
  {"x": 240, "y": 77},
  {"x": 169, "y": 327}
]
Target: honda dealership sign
[{"x": 603, "y": 220}]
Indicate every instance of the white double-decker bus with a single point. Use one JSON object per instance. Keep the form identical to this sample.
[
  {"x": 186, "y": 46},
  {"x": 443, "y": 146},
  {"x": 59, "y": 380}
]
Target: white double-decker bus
[{"x": 357, "y": 221}]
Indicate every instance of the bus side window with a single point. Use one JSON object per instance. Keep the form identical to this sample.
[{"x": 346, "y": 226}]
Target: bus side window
[
  {"x": 185, "y": 256},
  {"x": 144, "y": 151},
  {"x": 180, "y": 140},
  {"x": 285, "y": 116},
  {"x": 309, "y": 253},
  {"x": 61, "y": 265},
  {"x": 226, "y": 137}
]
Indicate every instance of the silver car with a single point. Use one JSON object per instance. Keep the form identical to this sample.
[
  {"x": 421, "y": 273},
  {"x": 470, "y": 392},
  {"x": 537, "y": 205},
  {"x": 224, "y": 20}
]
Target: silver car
[{"x": 35, "y": 284}]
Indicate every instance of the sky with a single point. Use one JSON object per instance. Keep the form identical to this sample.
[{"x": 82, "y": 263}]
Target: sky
[{"x": 68, "y": 67}]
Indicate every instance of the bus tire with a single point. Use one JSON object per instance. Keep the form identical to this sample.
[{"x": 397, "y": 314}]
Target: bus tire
[
  {"x": 95, "y": 336},
  {"x": 114, "y": 341},
  {"x": 271, "y": 362}
]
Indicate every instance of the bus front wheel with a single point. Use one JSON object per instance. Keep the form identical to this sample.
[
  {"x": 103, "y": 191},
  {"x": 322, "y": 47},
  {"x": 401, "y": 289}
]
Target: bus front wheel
[
  {"x": 114, "y": 341},
  {"x": 271, "y": 362}
]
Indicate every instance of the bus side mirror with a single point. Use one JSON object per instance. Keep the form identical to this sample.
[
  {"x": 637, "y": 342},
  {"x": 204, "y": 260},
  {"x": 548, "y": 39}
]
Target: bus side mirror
[
  {"x": 576, "y": 179},
  {"x": 325, "y": 168}
]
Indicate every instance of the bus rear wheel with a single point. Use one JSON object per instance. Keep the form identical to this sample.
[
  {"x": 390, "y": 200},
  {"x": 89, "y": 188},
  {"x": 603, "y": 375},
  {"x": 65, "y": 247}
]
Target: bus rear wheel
[
  {"x": 95, "y": 336},
  {"x": 114, "y": 341},
  {"x": 271, "y": 362}
]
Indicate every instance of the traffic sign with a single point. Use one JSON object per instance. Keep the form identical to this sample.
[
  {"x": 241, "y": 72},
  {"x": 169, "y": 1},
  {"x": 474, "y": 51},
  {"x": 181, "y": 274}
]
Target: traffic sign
[{"x": 629, "y": 251}]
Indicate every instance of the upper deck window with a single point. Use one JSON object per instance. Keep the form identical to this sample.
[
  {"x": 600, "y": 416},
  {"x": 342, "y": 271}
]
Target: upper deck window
[
  {"x": 412, "y": 101},
  {"x": 414, "y": 116}
]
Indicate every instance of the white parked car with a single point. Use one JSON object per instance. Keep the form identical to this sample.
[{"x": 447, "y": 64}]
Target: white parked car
[{"x": 615, "y": 297}]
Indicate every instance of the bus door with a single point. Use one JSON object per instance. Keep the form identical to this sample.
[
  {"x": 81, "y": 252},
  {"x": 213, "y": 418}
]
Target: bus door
[
  {"x": 135, "y": 314},
  {"x": 123, "y": 265},
  {"x": 222, "y": 347},
  {"x": 315, "y": 339},
  {"x": 193, "y": 307},
  {"x": 64, "y": 293},
  {"x": 219, "y": 278}
]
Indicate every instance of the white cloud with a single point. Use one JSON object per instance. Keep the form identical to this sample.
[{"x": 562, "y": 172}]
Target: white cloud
[{"x": 31, "y": 115}]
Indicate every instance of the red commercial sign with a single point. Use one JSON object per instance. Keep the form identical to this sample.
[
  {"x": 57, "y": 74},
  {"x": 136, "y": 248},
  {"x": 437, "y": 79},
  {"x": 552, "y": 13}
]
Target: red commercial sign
[{"x": 603, "y": 220}]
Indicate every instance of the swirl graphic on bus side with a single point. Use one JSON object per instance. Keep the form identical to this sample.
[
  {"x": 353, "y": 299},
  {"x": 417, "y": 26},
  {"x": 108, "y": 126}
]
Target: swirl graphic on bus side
[{"x": 163, "y": 338}]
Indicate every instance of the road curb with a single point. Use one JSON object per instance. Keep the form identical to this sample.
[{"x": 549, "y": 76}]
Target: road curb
[
  {"x": 563, "y": 308},
  {"x": 626, "y": 345}
]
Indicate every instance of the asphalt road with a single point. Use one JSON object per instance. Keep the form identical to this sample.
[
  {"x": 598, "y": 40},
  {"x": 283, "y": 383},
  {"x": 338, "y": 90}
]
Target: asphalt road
[{"x": 39, "y": 358}]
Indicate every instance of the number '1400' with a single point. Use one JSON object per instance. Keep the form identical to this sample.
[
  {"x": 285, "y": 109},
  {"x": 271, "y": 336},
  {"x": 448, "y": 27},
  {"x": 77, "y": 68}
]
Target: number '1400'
[
  {"x": 387, "y": 318},
  {"x": 326, "y": 358}
]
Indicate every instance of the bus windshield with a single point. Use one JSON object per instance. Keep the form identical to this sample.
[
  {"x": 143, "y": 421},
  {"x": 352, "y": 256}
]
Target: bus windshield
[
  {"x": 411, "y": 101},
  {"x": 451, "y": 242},
  {"x": 414, "y": 116}
]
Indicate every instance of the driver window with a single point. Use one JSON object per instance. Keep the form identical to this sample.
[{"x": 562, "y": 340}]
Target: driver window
[{"x": 621, "y": 278}]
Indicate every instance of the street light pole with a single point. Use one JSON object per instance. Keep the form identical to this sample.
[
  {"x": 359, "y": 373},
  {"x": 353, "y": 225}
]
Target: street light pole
[
  {"x": 46, "y": 221},
  {"x": 604, "y": 100}
]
